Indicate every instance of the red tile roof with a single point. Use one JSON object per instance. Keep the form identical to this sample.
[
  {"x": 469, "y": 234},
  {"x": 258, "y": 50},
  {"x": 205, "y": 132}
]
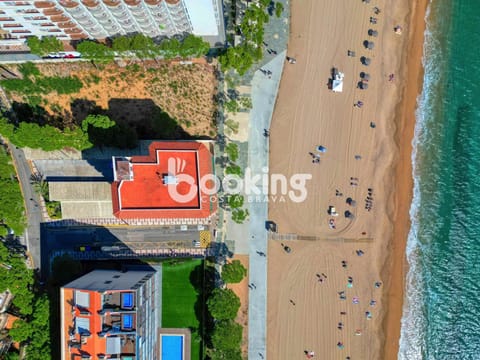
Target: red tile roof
[{"x": 144, "y": 193}]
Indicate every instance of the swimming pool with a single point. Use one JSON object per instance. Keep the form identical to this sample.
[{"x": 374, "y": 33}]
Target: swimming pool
[
  {"x": 172, "y": 347},
  {"x": 127, "y": 300},
  {"x": 127, "y": 321}
]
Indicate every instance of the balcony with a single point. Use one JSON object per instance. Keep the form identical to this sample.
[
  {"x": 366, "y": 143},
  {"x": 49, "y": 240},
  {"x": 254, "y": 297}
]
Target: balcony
[
  {"x": 152, "y": 2},
  {"x": 118, "y": 301},
  {"x": 78, "y": 36},
  {"x": 5, "y": 26},
  {"x": 54, "y": 11},
  {"x": 172, "y": 2},
  {"x": 66, "y": 25},
  {"x": 73, "y": 30},
  {"x": 69, "y": 4},
  {"x": 59, "y": 18},
  {"x": 90, "y": 3},
  {"x": 7, "y": 19},
  {"x": 44, "y": 4},
  {"x": 132, "y": 2}
]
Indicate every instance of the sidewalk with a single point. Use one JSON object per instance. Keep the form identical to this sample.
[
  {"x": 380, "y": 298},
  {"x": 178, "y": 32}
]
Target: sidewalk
[{"x": 264, "y": 93}]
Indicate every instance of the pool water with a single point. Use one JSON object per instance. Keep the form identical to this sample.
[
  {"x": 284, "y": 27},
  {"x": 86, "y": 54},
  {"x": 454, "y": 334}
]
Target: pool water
[{"x": 172, "y": 347}]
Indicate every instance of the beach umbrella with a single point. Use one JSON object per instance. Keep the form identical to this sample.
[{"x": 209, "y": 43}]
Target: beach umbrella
[
  {"x": 368, "y": 44},
  {"x": 365, "y": 61},
  {"x": 348, "y": 214},
  {"x": 321, "y": 149},
  {"x": 372, "y": 32},
  {"x": 365, "y": 76},
  {"x": 362, "y": 85},
  {"x": 351, "y": 202}
]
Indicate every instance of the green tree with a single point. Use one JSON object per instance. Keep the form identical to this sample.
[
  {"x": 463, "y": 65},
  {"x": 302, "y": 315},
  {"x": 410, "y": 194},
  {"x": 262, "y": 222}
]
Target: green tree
[
  {"x": 232, "y": 151},
  {"x": 45, "y": 45},
  {"x": 232, "y": 106},
  {"x": 239, "y": 215},
  {"x": 193, "y": 46},
  {"x": 233, "y": 272},
  {"x": 223, "y": 304},
  {"x": 229, "y": 354},
  {"x": 143, "y": 46},
  {"x": 227, "y": 335},
  {"x": 12, "y": 209},
  {"x": 170, "y": 48},
  {"x": 51, "y": 44},
  {"x": 278, "y": 9},
  {"x": 103, "y": 131},
  {"x": 235, "y": 201},
  {"x": 95, "y": 52},
  {"x": 21, "y": 331},
  {"x": 122, "y": 44},
  {"x": 233, "y": 169},
  {"x": 46, "y": 137}
]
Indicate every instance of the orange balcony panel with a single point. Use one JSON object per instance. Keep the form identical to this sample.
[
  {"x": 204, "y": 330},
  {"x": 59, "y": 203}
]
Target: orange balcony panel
[
  {"x": 72, "y": 31},
  {"x": 6, "y": 19},
  {"x": 78, "y": 36},
  {"x": 50, "y": 12},
  {"x": 153, "y": 2},
  {"x": 111, "y": 2},
  {"x": 90, "y": 3},
  {"x": 68, "y": 4},
  {"x": 43, "y": 4},
  {"x": 59, "y": 18},
  {"x": 132, "y": 2},
  {"x": 66, "y": 25},
  {"x": 172, "y": 2}
]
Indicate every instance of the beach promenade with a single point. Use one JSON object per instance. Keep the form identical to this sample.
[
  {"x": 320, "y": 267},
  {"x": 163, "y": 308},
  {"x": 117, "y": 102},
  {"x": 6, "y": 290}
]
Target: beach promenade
[
  {"x": 263, "y": 101},
  {"x": 328, "y": 294}
]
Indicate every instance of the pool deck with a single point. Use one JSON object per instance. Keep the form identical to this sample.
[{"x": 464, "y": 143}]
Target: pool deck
[{"x": 180, "y": 332}]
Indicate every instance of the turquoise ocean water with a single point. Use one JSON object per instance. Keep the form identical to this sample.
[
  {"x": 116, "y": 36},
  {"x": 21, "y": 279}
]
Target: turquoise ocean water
[{"x": 441, "y": 318}]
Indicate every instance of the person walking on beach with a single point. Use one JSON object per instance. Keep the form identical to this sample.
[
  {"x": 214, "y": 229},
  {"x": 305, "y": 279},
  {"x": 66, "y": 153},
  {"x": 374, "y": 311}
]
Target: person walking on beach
[{"x": 292, "y": 302}]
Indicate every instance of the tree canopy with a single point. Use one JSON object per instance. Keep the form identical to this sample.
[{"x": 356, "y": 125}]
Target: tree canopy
[
  {"x": 233, "y": 272},
  {"x": 227, "y": 335},
  {"x": 223, "y": 304},
  {"x": 12, "y": 209},
  {"x": 95, "y": 51},
  {"x": 45, "y": 45},
  {"x": 33, "y": 309}
]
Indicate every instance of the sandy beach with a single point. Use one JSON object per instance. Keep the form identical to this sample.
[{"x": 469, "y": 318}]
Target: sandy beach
[{"x": 367, "y": 160}]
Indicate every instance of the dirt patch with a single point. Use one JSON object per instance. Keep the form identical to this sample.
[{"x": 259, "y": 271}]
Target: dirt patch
[
  {"x": 135, "y": 94},
  {"x": 241, "y": 289}
]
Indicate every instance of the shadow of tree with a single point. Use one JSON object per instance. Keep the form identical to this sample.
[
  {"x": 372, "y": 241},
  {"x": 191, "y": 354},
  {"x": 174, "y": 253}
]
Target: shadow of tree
[{"x": 203, "y": 278}]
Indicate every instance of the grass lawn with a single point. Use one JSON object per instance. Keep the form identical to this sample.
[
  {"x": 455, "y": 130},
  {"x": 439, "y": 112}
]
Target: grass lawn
[{"x": 181, "y": 299}]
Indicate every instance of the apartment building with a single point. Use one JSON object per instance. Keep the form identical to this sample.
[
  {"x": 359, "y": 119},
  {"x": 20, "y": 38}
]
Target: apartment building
[
  {"x": 99, "y": 19},
  {"x": 108, "y": 314}
]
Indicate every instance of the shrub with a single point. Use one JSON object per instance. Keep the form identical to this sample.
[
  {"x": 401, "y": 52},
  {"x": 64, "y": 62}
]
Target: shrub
[
  {"x": 239, "y": 215},
  {"x": 278, "y": 9},
  {"x": 232, "y": 151}
]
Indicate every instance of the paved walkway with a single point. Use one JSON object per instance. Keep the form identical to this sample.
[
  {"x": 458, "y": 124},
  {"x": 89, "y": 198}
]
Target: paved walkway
[{"x": 264, "y": 93}]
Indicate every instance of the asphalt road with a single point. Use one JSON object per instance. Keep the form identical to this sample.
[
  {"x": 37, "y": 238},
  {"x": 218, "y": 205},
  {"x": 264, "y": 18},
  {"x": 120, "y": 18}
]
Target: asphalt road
[
  {"x": 32, "y": 207},
  {"x": 70, "y": 238}
]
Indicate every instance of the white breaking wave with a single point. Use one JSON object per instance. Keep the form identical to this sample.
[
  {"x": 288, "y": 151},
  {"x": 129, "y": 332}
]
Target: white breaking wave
[{"x": 413, "y": 326}]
